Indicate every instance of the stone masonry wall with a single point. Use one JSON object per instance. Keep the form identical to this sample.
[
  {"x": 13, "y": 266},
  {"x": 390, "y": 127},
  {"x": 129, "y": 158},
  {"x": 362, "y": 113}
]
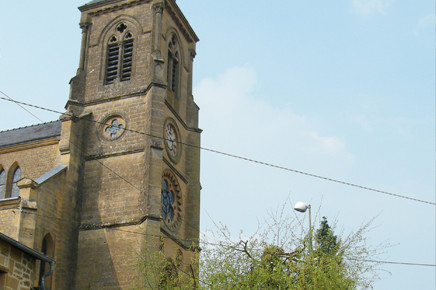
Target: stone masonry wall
[
  {"x": 33, "y": 162},
  {"x": 53, "y": 217},
  {"x": 138, "y": 20},
  {"x": 9, "y": 221},
  {"x": 17, "y": 268},
  {"x": 109, "y": 257}
]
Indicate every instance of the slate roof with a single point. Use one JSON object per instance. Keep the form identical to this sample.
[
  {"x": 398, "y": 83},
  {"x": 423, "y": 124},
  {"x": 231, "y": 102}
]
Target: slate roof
[
  {"x": 30, "y": 133},
  {"x": 26, "y": 249},
  {"x": 94, "y": 1}
]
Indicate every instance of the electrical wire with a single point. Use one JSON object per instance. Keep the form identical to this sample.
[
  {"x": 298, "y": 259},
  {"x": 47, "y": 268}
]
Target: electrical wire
[
  {"x": 224, "y": 243},
  {"x": 17, "y": 103},
  {"x": 392, "y": 262},
  {"x": 248, "y": 159},
  {"x": 20, "y": 104},
  {"x": 239, "y": 157},
  {"x": 353, "y": 259}
]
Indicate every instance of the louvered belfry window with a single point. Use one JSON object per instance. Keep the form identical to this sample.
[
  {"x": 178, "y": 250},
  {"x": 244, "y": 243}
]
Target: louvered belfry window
[
  {"x": 113, "y": 55},
  {"x": 126, "y": 65},
  {"x": 119, "y": 55}
]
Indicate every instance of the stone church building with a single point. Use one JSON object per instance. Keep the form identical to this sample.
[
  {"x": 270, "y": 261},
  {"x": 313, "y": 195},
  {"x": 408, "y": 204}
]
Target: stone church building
[{"x": 118, "y": 175}]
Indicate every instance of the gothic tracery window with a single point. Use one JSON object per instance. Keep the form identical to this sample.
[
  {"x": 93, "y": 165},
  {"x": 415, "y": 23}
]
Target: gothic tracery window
[
  {"x": 119, "y": 55},
  {"x": 113, "y": 127},
  {"x": 171, "y": 201},
  {"x": 168, "y": 201}
]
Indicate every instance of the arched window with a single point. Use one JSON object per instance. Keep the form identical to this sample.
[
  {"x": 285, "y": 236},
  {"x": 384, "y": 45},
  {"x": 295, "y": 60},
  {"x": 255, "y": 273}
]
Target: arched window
[
  {"x": 15, "y": 190},
  {"x": 48, "y": 250},
  {"x": 173, "y": 70},
  {"x": 2, "y": 183},
  {"x": 119, "y": 55}
]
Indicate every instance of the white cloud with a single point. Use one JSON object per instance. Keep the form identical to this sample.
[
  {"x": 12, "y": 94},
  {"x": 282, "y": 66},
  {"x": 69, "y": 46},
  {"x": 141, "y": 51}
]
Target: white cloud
[
  {"x": 330, "y": 143},
  {"x": 361, "y": 120},
  {"x": 236, "y": 121},
  {"x": 367, "y": 7},
  {"x": 425, "y": 24},
  {"x": 427, "y": 21}
]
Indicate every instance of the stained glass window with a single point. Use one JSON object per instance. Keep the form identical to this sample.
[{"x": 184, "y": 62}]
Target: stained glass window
[
  {"x": 171, "y": 201},
  {"x": 167, "y": 199},
  {"x": 113, "y": 128}
]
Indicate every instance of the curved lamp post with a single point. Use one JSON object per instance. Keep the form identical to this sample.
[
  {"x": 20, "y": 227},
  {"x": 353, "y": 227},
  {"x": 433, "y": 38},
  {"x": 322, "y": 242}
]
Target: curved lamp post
[{"x": 302, "y": 207}]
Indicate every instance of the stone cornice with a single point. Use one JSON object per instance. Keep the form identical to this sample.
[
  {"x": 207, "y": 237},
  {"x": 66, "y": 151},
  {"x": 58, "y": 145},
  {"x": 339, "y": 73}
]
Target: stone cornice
[
  {"x": 183, "y": 24},
  {"x": 116, "y": 98},
  {"x": 10, "y": 203},
  {"x": 135, "y": 94},
  {"x": 177, "y": 116},
  {"x": 131, "y": 222},
  {"x": 111, "y": 8},
  {"x": 184, "y": 245},
  {"x": 29, "y": 145},
  {"x": 171, "y": 6},
  {"x": 113, "y": 154},
  {"x": 168, "y": 163},
  {"x": 135, "y": 222}
]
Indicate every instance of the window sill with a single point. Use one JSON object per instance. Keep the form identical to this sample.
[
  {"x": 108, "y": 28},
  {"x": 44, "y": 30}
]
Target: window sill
[{"x": 10, "y": 201}]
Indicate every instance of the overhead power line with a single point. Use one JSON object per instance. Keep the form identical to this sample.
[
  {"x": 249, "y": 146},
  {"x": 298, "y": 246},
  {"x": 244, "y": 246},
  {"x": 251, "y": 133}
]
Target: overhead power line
[
  {"x": 248, "y": 159},
  {"x": 392, "y": 262},
  {"x": 234, "y": 156},
  {"x": 229, "y": 244},
  {"x": 353, "y": 259},
  {"x": 17, "y": 103},
  {"x": 9, "y": 99}
]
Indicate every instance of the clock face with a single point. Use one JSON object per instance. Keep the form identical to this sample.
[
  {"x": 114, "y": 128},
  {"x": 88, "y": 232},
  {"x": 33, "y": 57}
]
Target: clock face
[
  {"x": 171, "y": 139},
  {"x": 173, "y": 142}
]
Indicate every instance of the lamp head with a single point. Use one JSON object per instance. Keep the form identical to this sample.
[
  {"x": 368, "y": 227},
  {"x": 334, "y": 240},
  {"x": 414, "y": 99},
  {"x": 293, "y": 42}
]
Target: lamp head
[{"x": 301, "y": 206}]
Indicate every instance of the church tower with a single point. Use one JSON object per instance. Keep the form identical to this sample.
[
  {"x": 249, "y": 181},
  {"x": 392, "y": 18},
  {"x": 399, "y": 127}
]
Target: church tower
[{"x": 131, "y": 128}]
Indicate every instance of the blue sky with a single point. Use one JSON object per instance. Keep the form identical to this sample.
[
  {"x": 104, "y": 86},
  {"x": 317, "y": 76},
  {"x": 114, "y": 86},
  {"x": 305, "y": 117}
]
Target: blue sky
[{"x": 343, "y": 89}]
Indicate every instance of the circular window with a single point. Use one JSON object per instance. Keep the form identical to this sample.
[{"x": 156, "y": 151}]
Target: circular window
[
  {"x": 114, "y": 127},
  {"x": 171, "y": 200},
  {"x": 172, "y": 140}
]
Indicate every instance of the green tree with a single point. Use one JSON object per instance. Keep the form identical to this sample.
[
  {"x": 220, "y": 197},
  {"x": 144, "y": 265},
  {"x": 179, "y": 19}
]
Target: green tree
[
  {"x": 256, "y": 264},
  {"x": 276, "y": 258},
  {"x": 325, "y": 240}
]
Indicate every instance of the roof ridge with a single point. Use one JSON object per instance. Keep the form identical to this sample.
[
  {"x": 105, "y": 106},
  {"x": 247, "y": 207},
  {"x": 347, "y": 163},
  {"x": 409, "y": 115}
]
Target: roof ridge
[{"x": 34, "y": 125}]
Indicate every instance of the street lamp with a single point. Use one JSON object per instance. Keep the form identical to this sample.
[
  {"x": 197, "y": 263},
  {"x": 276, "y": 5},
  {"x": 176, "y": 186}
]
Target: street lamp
[{"x": 302, "y": 207}]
